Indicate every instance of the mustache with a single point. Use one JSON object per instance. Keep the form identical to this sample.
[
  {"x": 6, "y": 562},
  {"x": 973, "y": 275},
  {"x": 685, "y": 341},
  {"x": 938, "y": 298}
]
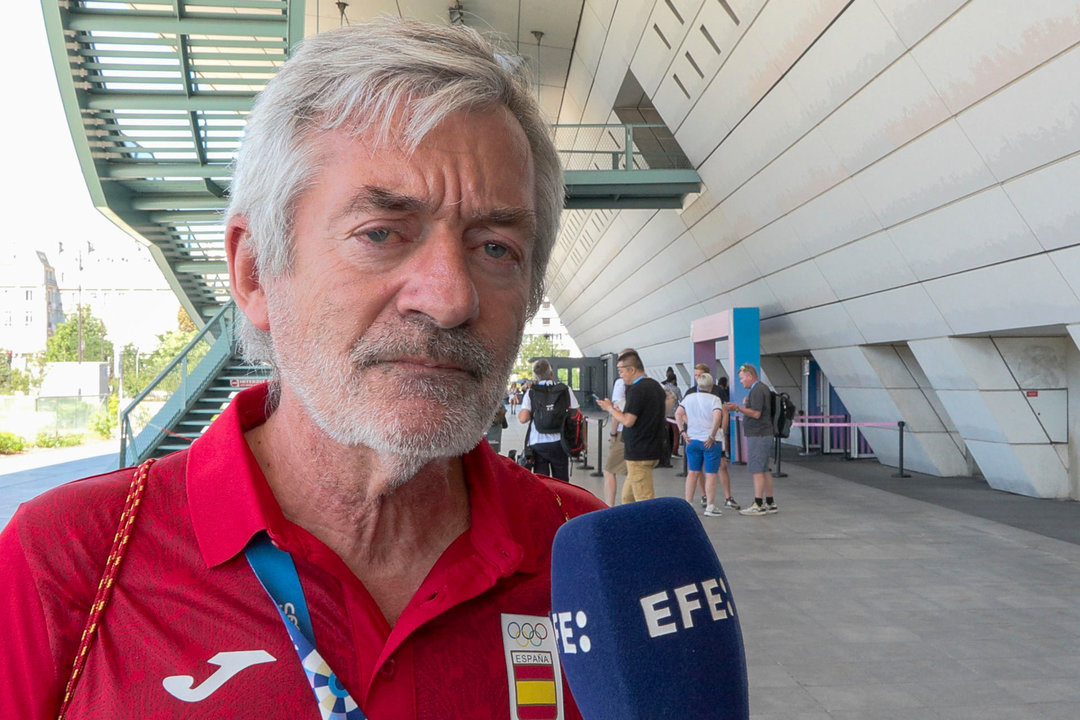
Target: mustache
[{"x": 417, "y": 337}]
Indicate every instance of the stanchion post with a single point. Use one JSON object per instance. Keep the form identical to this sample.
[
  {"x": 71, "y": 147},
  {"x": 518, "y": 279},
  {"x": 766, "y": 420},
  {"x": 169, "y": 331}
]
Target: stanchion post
[
  {"x": 584, "y": 462},
  {"x": 685, "y": 466},
  {"x": 778, "y": 472},
  {"x": 900, "y": 425},
  {"x": 599, "y": 471}
]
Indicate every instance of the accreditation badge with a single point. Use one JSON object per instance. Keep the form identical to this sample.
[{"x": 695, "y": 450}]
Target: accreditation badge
[{"x": 532, "y": 668}]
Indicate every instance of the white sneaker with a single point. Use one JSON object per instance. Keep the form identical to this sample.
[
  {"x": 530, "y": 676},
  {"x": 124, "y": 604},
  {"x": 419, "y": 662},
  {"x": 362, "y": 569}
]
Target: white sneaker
[
  {"x": 712, "y": 511},
  {"x": 754, "y": 510}
]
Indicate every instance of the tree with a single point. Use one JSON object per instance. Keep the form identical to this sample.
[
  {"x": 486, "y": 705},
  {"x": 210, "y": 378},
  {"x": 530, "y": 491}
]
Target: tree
[
  {"x": 535, "y": 346},
  {"x": 63, "y": 346},
  {"x": 12, "y": 379}
]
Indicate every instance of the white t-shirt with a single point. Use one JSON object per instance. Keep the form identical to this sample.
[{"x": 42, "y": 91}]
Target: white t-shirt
[
  {"x": 700, "y": 410},
  {"x": 536, "y": 437},
  {"x": 618, "y": 397}
]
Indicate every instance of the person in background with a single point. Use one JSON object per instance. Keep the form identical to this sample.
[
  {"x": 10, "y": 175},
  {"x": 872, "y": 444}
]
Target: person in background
[
  {"x": 703, "y": 424},
  {"x": 718, "y": 389},
  {"x": 757, "y": 427},
  {"x": 644, "y": 431},
  {"x": 549, "y": 455}
]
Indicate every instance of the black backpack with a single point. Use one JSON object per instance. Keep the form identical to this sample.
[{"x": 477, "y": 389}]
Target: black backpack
[
  {"x": 550, "y": 404},
  {"x": 783, "y": 413}
]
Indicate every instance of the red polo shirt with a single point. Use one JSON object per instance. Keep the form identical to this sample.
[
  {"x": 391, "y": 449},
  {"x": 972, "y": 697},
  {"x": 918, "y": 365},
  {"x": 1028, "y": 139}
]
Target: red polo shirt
[{"x": 187, "y": 606}]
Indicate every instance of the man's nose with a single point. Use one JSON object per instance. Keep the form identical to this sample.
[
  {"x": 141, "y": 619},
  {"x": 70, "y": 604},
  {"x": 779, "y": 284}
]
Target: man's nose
[{"x": 440, "y": 282}]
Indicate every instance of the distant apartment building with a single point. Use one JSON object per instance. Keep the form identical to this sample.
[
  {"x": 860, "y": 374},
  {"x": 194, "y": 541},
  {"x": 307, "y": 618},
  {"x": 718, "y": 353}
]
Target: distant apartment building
[
  {"x": 546, "y": 324},
  {"x": 30, "y": 303}
]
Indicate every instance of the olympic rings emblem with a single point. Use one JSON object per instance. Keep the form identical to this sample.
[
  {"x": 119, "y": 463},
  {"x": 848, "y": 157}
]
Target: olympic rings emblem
[{"x": 527, "y": 634}]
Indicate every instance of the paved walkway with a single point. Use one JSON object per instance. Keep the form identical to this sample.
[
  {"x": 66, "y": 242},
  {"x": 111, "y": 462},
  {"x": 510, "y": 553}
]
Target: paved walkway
[{"x": 872, "y": 598}]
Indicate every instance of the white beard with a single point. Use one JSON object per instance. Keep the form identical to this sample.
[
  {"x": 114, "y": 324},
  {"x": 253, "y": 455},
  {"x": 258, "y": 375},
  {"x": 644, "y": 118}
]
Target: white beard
[{"x": 409, "y": 418}]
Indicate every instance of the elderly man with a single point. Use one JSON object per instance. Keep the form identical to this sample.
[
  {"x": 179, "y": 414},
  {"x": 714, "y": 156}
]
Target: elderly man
[
  {"x": 703, "y": 423},
  {"x": 757, "y": 427},
  {"x": 337, "y": 541}
]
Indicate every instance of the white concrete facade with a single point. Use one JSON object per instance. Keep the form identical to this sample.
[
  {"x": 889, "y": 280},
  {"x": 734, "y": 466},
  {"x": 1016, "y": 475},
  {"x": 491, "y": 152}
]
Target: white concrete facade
[{"x": 892, "y": 182}]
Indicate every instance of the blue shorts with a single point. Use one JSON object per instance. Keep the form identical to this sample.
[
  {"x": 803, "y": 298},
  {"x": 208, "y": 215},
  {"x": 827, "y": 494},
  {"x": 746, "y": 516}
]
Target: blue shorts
[{"x": 697, "y": 455}]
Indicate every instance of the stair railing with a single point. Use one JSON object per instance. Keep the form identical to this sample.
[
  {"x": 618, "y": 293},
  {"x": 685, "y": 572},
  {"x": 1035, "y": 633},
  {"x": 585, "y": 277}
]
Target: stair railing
[{"x": 183, "y": 380}]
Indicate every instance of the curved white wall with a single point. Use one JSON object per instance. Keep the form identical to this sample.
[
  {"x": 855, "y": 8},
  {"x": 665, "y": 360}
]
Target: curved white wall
[{"x": 881, "y": 178}]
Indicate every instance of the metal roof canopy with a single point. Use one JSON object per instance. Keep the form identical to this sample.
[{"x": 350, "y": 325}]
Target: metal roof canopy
[{"x": 157, "y": 92}]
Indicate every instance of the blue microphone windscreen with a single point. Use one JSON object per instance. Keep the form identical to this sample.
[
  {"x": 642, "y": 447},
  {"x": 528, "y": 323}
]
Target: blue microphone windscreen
[{"x": 644, "y": 616}]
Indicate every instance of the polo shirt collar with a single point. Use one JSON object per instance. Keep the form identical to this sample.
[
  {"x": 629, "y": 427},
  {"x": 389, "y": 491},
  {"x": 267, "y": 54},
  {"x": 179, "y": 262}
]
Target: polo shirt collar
[{"x": 230, "y": 500}]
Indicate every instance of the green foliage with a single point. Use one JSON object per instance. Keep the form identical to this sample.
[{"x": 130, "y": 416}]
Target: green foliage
[
  {"x": 10, "y": 443},
  {"x": 103, "y": 422},
  {"x": 63, "y": 346},
  {"x": 534, "y": 346},
  {"x": 46, "y": 439},
  {"x": 12, "y": 379},
  {"x": 140, "y": 369}
]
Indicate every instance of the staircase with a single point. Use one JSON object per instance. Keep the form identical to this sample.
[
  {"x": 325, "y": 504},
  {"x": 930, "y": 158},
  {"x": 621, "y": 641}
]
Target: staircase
[
  {"x": 231, "y": 379},
  {"x": 196, "y": 390}
]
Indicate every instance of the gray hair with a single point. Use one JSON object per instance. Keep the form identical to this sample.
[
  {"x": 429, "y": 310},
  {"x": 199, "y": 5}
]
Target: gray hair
[
  {"x": 542, "y": 370},
  {"x": 365, "y": 77},
  {"x": 705, "y": 382}
]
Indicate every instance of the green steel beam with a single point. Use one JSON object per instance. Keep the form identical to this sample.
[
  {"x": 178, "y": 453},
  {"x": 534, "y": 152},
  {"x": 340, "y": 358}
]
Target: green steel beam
[
  {"x": 104, "y": 21},
  {"x": 149, "y": 100}
]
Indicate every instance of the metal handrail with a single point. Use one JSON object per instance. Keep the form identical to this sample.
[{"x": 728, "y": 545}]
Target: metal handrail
[
  {"x": 620, "y": 134},
  {"x": 222, "y": 325}
]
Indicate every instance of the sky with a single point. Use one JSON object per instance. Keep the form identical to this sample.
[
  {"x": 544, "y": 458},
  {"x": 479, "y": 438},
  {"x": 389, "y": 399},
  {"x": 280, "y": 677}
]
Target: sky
[{"x": 44, "y": 200}]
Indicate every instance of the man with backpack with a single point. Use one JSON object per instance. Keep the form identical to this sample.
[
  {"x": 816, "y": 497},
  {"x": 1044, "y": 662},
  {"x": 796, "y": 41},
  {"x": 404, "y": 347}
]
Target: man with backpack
[
  {"x": 545, "y": 407},
  {"x": 758, "y": 429}
]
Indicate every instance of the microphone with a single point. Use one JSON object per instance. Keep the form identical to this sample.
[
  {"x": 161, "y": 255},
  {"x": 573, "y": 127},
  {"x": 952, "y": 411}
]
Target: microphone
[{"x": 644, "y": 617}]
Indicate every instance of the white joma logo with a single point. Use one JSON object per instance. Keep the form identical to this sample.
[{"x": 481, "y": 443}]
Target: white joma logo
[{"x": 182, "y": 687}]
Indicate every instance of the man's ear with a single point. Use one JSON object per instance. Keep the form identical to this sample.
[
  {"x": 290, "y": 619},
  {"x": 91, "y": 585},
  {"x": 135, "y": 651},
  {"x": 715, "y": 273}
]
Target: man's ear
[{"x": 244, "y": 281}]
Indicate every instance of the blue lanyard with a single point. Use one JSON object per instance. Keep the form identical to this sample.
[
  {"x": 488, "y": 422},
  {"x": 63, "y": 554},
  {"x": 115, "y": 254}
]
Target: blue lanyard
[{"x": 277, "y": 573}]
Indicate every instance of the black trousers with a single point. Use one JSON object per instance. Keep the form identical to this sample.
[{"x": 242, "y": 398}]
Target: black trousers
[{"x": 552, "y": 460}]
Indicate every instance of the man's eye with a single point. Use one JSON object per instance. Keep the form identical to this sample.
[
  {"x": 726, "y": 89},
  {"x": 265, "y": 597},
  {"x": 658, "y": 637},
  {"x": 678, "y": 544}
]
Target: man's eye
[
  {"x": 495, "y": 250},
  {"x": 378, "y": 235}
]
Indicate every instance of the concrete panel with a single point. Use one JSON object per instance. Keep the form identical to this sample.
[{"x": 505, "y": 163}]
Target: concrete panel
[
  {"x": 971, "y": 416},
  {"x": 870, "y": 404},
  {"x": 590, "y": 39},
  {"x": 984, "y": 363},
  {"x": 776, "y": 123},
  {"x": 805, "y": 171},
  {"x": 578, "y": 86},
  {"x": 898, "y": 106},
  {"x": 799, "y": 287},
  {"x": 715, "y": 232},
  {"x": 847, "y": 367},
  {"x": 974, "y": 302},
  {"x": 942, "y": 365},
  {"x": 895, "y": 315},
  {"x": 987, "y": 45},
  {"x": 1067, "y": 261},
  {"x": 916, "y": 411},
  {"x": 1001, "y": 467},
  {"x": 947, "y": 458},
  {"x": 1034, "y": 121},
  {"x": 864, "y": 266},
  {"x": 858, "y": 46},
  {"x": 625, "y": 33},
  {"x": 890, "y": 369},
  {"x": 834, "y": 218},
  {"x": 752, "y": 294},
  {"x": 935, "y": 169},
  {"x": 728, "y": 271},
  {"x": 1044, "y": 468},
  {"x": 911, "y": 364},
  {"x": 1047, "y": 201},
  {"x": 775, "y": 246},
  {"x": 824, "y": 327},
  {"x": 914, "y": 19},
  {"x": 1036, "y": 363},
  {"x": 979, "y": 230},
  {"x": 1014, "y": 416},
  {"x": 602, "y": 9}
]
